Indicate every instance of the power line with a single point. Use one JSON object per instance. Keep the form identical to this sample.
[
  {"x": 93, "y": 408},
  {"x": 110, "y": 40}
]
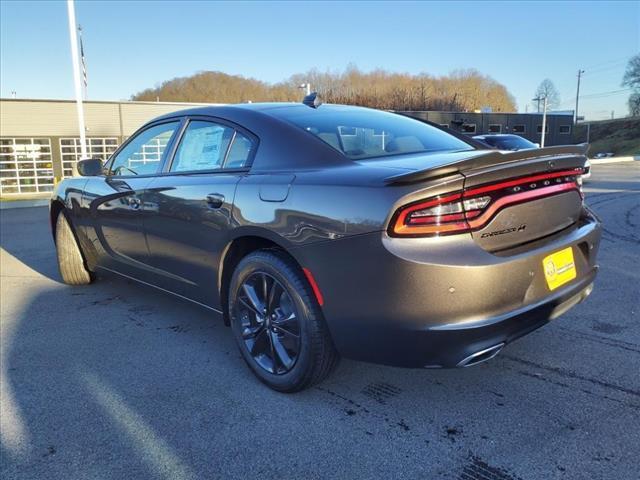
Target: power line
[
  {"x": 621, "y": 59},
  {"x": 615, "y": 66},
  {"x": 590, "y": 96},
  {"x": 606, "y": 94}
]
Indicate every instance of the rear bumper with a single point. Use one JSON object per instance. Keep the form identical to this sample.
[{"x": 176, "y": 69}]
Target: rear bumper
[
  {"x": 465, "y": 346},
  {"x": 436, "y": 302}
]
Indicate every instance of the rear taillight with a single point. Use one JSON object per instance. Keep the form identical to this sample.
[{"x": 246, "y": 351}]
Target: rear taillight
[{"x": 460, "y": 212}]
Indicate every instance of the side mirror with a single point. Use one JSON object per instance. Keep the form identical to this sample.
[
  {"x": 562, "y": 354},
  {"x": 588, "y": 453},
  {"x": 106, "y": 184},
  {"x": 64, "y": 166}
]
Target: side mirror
[{"x": 90, "y": 167}]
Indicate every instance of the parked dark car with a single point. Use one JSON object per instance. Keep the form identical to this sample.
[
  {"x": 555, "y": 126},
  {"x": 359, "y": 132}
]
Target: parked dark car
[
  {"x": 505, "y": 141},
  {"x": 325, "y": 231}
]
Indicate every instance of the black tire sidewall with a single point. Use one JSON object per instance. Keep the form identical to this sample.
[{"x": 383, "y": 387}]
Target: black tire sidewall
[
  {"x": 74, "y": 272},
  {"x": 292, "y": 281}
]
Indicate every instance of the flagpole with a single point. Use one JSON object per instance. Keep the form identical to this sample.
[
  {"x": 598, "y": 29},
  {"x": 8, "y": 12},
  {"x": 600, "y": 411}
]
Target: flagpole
[{"x": 76, "y": 80}]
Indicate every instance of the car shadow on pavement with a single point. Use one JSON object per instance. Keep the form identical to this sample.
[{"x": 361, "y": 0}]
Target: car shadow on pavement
[{"x": 87, "y": 372}]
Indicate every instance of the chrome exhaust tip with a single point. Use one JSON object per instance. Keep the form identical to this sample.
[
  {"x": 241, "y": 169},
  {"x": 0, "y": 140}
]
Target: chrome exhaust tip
[{"x": 481, "y": 356}]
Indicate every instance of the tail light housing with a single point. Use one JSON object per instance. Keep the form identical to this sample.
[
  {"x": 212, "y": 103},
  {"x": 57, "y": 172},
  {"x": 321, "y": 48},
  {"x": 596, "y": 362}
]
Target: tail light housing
[{"x": 470, "y": 210}]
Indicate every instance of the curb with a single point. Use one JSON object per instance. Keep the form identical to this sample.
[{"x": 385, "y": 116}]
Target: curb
[
  {"x": 9, "y": 204},
  {"x": 603, "y": 161}
]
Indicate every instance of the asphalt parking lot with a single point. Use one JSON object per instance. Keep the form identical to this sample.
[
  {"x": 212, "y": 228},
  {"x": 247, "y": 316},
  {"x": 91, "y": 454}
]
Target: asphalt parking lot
[{"x": 117, "y": 380}]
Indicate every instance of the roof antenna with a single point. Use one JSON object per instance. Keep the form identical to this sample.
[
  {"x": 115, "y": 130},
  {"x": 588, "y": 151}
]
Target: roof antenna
[{"x": 312, "y": 100}]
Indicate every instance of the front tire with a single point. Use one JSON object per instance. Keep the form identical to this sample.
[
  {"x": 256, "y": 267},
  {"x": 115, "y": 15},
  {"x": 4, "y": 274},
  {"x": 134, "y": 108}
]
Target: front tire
[
  {"x": 278, "y": 324},
  {"x": 70, "y": 262}
]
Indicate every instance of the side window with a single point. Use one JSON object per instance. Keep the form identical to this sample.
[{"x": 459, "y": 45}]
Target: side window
[
  {"x": 240, "y": 152},
  {"x": 203, "y": 147},
  {"x": 143, "y": 154}
]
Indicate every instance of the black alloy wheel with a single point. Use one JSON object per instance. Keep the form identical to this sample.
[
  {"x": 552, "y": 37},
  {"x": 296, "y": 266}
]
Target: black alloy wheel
[
  {"x": 270, "y": 327},
  {"x": 277, "y": 322}
]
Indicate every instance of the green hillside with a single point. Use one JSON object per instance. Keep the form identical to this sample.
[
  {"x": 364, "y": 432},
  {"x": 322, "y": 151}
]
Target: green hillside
[{"x": 620, "y": 136}]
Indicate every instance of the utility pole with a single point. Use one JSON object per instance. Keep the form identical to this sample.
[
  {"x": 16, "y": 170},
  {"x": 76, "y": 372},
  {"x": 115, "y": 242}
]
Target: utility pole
[
  {"x": 580, "y": 72},
  {"x": 76, "y": 80}
]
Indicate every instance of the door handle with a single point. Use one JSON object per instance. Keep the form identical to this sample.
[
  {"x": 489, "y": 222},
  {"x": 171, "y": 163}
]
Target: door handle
[
  {"x": 134, "y": 202},
  {"x": 215, "y": 200}
]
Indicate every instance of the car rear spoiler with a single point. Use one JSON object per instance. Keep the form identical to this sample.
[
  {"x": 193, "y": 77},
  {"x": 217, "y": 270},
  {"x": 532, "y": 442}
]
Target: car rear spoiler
[{"x": 487, "y": 159}]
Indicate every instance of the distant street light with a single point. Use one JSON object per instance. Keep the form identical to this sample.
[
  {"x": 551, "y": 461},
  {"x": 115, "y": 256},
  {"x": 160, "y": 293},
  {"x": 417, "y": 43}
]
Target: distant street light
[
  {"x": 306, "y": 86},
  {"x": 544, "y": 117}
]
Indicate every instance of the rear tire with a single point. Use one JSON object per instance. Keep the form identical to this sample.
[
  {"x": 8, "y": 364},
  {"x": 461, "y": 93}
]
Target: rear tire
[
  {"x": 295, "y": 347},
  {"x": 70, "y": 261}
]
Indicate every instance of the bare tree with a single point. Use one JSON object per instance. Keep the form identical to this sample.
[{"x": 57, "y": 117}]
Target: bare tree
[
  {"x": 547, "y": 90},
  {"x": 634, "y": 104},
  {"x": 632, "y": 79},
  {"x": 462, "y": 90}
]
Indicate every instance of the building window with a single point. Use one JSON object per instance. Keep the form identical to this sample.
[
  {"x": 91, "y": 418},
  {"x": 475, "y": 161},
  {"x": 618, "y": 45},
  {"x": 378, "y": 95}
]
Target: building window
[
  {"x": 546, "y": 129},
  {"x": 519, "y": 129},
  {"x": 495, "y": 128},
  {"x": 25, "y": 165},
  {"x": 468, "y": 128},
  {"x": 565, "y": 129},
  {"x": 70, "y": 152}
]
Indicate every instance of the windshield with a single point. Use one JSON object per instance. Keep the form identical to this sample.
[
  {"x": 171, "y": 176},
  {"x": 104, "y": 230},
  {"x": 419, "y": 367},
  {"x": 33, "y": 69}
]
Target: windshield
[{"x": 361, "y": 134}]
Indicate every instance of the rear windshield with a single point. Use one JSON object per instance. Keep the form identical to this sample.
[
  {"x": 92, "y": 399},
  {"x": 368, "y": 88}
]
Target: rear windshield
[{"x": 362, "y": 133}]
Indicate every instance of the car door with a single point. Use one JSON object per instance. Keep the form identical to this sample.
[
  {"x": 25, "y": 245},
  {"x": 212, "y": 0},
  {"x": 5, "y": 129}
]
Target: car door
[
  {"x": 115, "y": 202},
  {"x": 188, "y": 209}
]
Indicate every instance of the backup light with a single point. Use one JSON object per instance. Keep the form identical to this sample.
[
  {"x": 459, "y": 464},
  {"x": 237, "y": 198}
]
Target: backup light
[{"x": 476, "y": 203}]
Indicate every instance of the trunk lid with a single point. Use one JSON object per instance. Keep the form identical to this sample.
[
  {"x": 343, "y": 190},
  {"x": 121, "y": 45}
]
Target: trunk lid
[
  {"x": 549, "y": 203},
  {"x": 531, "y": 194}
]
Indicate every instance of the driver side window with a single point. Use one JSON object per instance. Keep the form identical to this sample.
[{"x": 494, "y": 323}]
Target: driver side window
[{"x": 143, "y": 154}]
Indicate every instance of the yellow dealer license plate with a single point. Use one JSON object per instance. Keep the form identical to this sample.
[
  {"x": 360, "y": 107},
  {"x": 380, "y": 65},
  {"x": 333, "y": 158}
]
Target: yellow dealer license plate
[{"x": 559, "y": 268}]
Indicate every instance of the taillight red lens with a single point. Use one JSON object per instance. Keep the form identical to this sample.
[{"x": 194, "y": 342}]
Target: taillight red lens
[
  {"x": 460, "y": 212},
  {"x": 431, "y": 217}
]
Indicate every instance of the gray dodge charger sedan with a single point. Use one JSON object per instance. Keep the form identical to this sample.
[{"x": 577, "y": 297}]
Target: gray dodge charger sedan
[{"x": 319, "y": 231}]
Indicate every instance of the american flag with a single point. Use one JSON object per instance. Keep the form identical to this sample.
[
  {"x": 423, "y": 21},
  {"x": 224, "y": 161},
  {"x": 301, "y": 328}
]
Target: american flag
[{"x": 84, "y": 65}]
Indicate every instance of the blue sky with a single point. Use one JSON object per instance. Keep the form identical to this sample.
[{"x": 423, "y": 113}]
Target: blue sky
[{"x": 134, "y": 45}]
